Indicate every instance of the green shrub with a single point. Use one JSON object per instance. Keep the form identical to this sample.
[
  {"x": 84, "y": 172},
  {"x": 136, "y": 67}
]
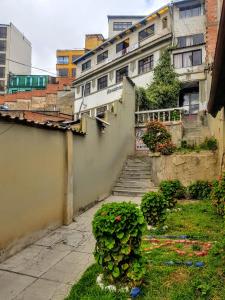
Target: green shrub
[
  {"x": 155, "y": 136},
  {"x": 172, "y": 190},
  {"x": 166, "y": 148},
  {"x": 209, "y": 144},
  {"x": 199, "y": 190},
  {"x": 118, "y": 229},
  {"x": 218, "y": 195},
  {"x": 153, "y": 206}
]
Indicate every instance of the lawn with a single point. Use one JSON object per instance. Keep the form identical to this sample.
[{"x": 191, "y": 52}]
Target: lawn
[{"x": 168, "y": 277}]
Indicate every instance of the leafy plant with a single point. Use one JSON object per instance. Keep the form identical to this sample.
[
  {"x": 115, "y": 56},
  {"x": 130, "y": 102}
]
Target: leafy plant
[
  {"x": 157, "y": 138},
  {"x": 164, "y": 91},
  {"x": 209, "y": 144},
  {"x": 153, "y": 206},
  {"x": 200, "y": 190},
  {"x": 172, "y": 190},
  {"x": 142, "y": 101},
  {"x": 118, "y": 228},
  {"x": 218, "y": 195}
]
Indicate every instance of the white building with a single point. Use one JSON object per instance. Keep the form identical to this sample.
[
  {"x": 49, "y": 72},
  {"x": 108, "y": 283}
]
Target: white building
[
  {"x": 135, "y": 51},
  {"x": 15, "y": 54}
]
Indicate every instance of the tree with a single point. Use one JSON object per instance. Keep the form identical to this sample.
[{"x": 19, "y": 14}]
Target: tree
[{"x": 164, "y": 91}]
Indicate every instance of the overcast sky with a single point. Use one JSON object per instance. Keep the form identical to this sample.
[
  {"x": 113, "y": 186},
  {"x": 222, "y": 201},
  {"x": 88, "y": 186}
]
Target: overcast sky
[{"x": 62, "y": 24}]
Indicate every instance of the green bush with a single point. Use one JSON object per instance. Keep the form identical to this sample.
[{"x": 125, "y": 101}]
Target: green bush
[
  {"x": 118, "y": 229},
  {"x": 172, "y": 190},
  {"x": 155, "y": 136},
  {"x": 166, "y": 148},
  {"x": 209, "y": 144},
  {"x": 218, "y": 195},
  {"x": 153, "y": 206},
  {"x": 199, "y": 190}
]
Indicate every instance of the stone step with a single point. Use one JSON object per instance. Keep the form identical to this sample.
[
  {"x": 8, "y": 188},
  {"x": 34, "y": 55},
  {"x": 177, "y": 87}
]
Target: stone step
[
  {"x": 133, "y": 186},
  {"x": 135, "y": 177},
  {"x": 132, "y": 192},
  {"x": 126, "y": 168}
]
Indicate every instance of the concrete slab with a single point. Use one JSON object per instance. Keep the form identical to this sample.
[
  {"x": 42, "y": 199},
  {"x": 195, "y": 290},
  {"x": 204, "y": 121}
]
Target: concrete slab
[{"x": 12, "y": 284}]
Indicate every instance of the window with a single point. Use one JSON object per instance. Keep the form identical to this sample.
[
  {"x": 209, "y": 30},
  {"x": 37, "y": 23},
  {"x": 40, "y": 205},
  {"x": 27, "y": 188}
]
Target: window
[
  {"x": 120, "y": 26},
  {"x": 2, "y": 45},
  {"x": 74, "y": 57},
  {"x": 145, "y": 65},
  {"x": 2, "y": 72},
  {"x": 2, "y": 58},
  {"x": 191, "y": 40},
  {"x": 102, "y": 56},
  {"x": 164, "y": 22},
  {"x": 121, "y": 73},
  {"x": 63, "y": 60},
  {"x": 3, "y": 32},
  {"x": 147, "y": 32},
  {"x": 28, "y": 81},
  {"x": 87, "y": 89},
  {"x": 122, "y": 46},
  {"x": 74, "y": 72},
  {"x": 189, "y": 98},
  {"x": 86, "y": 65},
  {"x": 63, "y": 72},
  {"x": 187, "y": 59},
  {"x": 191, "y": 11},
  {"x": 2, "y": 85},
  {"x": 103, "y": 82}
]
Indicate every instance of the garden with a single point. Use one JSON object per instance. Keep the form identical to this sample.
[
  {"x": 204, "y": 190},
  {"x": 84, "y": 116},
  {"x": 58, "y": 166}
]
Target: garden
[{"x": 170, "y": 247}]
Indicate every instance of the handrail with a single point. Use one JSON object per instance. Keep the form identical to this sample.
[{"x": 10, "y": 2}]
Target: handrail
[{"x": 159, "y": 110}]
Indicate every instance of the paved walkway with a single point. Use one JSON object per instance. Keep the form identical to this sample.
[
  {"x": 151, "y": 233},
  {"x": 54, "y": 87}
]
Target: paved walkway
[{"x": 47, "y": 269}]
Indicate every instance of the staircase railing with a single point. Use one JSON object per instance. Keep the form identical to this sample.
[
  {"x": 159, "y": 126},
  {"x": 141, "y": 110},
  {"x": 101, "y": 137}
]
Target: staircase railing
[{"x": 162, "y": 115}]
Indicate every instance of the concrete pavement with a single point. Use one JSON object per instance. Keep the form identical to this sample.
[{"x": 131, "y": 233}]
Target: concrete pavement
[{"x": 47, "y": 269}]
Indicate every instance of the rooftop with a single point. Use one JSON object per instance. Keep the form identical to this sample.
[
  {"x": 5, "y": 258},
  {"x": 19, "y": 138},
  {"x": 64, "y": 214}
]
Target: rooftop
[{"x": 125, "y": 17}]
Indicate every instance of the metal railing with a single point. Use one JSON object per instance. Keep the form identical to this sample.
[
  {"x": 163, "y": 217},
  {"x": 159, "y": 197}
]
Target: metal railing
[{"x": 161, "y": 115}]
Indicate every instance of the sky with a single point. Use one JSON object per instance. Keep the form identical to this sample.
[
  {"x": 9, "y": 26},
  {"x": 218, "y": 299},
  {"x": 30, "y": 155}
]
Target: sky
[{"x": 62, "y": 24}]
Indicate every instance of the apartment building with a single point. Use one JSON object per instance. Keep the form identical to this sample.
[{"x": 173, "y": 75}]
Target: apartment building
[
  {"x": 15, "y": 54},
  {"x": 136, "y": 50}
]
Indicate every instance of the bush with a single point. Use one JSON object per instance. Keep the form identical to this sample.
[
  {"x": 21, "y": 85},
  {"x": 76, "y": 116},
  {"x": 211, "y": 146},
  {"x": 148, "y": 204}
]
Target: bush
[
  {"x": 199, "y": 190},
  {"x": 156, "y": 135},
  {"x": 209, "y": 144},
  {"x": 172, "y": 190},
  {"x": 166, "y": 149},
  {"x": 153, "y": 206},
  {"x": 218, "y": 195},
  {"x": 118, "y": 229}
]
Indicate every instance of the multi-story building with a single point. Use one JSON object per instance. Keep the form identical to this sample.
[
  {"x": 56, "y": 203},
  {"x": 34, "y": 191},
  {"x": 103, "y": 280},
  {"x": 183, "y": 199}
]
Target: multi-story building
[
  {"x": 93, "y": 40},
  {"x": 136, "y": 50},
  {"x": 65, "y": 58},
  {"x": 24, "y": 83},
  {"x": 15, "y": 54}
]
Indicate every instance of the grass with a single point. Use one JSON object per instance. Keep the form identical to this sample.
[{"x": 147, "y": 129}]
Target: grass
[{"x": 196, "y": 219}]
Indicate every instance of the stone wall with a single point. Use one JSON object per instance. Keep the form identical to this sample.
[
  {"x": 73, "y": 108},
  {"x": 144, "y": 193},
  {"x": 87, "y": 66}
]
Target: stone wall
[{"x": 185, "y": 167}]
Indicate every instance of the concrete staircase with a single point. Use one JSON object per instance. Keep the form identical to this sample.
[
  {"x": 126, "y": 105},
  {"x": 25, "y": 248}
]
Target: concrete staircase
[
  {"x": 195, "y": 131},
  {"x": 135, "y": 178}
]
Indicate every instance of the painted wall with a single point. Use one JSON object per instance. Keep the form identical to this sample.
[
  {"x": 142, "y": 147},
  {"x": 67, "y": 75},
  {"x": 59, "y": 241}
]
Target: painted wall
[
  {"x": 32, "y": 184},
  {"x": 99, "y": 157}
]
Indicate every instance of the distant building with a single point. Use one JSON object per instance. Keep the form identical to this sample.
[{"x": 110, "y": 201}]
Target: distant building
[
  {"x": 25, "y": 83},
  {"x": 93, "y": 41},
  {"x": 117, "y": 24},
  {"x": 15, "y": 54},
  {"x": 135, "y": 51}
]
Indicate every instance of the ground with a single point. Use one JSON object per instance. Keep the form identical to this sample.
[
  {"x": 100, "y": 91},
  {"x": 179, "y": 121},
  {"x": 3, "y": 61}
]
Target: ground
[
  {"x": 48, "y": 268},
  {"x": 168, "y": 254}
]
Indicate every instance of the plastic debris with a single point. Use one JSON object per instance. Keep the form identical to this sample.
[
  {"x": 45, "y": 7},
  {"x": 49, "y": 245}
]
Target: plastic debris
[
  {"x": 199, "y": 264},
  {"x": 135, "y": 292},
  {"x": 188, "y": 263}
]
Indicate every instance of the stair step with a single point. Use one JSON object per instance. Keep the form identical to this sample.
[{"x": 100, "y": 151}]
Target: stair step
[
  {"x": 133, "y": 192},
  {"x": 130, "y": 186}
]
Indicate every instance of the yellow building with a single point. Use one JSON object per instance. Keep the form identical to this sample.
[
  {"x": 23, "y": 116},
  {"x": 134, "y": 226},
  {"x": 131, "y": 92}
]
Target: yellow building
[{"x": 65, "y": 58}]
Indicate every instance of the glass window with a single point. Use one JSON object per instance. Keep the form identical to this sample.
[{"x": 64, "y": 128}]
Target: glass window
[
  {"x": 102, "y": 56},
  {"x": 121, "y": 73},
  {"x": 86, "y": 65},
  {"x": 87, "y": 89},
  {"x": 103, "y": 82},
  {"x": 146, "y": 32},
  {"x": 63, "y": 72},
  {"x": 122, "y": 46},
  {"x": 28, "y": 81},
  {"x": 2, "y": 59},
  {"x": 187, "y": 59},
  {"x": 3, "y": 32},
  {"x": 74, "y": 57},
  {"x": 191, "y": 11},
  {"x": 2, "y": 45},
  {"x": 191, "y": 40},
  {"x": 120, "y": 26},
  {"x": 145, "y": 65},
  {"x": 63, "y": 60},
  {"x": 2, "y": 72},
  {"x": 74, "y": 72}
]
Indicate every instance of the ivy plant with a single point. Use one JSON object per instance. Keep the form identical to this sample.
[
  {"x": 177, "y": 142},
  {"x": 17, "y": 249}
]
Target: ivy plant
[{"x": 118, "y": 229}]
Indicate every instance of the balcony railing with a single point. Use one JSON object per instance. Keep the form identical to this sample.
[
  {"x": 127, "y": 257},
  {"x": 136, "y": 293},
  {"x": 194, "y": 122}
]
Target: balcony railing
[
  {"x": 162, "y": 115},
  {"x": 127, "y": 50}
]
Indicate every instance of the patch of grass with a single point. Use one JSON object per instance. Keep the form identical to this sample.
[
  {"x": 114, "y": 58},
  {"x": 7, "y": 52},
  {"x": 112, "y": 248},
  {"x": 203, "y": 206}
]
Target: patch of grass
[{"x": 196, "y": 219}]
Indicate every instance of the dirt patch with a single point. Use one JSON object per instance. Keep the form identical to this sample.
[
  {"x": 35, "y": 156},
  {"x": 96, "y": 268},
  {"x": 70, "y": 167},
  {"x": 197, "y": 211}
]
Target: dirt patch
[{"x": 179, "y": 276}]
